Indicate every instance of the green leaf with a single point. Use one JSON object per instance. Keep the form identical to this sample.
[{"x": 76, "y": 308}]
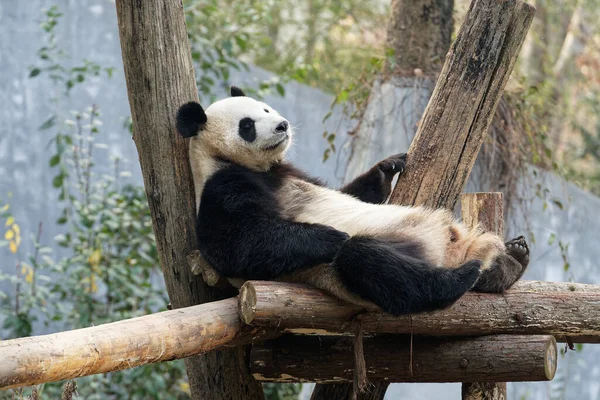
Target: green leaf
[
  {"x": 558, "y": 204},
  {"x": 280, "y": 89},
  {"x": 58, "y": 180},
  {"x": 55, "y": 160},
  {"x": 34, "y": 72},
  {"x": 49, "y": 123}
]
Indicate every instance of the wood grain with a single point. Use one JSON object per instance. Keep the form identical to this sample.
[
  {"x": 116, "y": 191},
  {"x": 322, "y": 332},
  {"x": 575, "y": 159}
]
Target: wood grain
[
  {"x": 125, "y": 344},
  {"x": 529, "y": 307},
  {"x": 389, "y": 358}
]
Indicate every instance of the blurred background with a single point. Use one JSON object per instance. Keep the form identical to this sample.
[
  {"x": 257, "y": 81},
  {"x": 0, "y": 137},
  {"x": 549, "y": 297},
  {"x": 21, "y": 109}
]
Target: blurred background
[{"x": 353, "y": 76}]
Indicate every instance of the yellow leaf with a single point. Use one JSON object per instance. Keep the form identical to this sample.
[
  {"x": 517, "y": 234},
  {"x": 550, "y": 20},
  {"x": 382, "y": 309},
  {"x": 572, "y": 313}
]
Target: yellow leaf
[
  {"x": 93, "y": 286},
  {"x": 12, "y": 246},
  {"x": 16, "y": 228},
  {"x": 184, "y": 387},
  {"x": 23, "y": 269},
  {"x": 10, "y": 220},
  {"x": 94, "y": 258},
  {"x": 9, "y": 235},
  {"x": 4, "y": 208},
  {"x": 29, "y": 276}
]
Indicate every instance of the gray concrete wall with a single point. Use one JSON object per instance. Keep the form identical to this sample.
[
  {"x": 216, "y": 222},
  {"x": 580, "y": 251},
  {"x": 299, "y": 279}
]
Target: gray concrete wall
[{"x": 89, "y": 30}]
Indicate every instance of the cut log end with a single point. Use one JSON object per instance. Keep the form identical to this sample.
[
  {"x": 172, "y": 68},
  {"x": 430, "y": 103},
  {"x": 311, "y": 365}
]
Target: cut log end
[
  {"x": 551, "y": 358},
  {"x": 247, "y": 303}
]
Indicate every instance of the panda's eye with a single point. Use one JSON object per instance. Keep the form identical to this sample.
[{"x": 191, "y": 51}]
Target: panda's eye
[
  {"x": 247, "y": 129},
  {"x": 267, "y": 111}
]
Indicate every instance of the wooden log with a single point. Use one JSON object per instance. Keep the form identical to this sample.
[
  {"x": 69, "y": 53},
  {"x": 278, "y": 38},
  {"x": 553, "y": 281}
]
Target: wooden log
[
  {"x": 514, "y": 358},
  {"x": 125, "y": 344},
  {"x": 463, "y": 102},
  {"x": 159, "y": 74},
  {"x": 561, "y": 309},
  {"x": 487, "y": 211}
]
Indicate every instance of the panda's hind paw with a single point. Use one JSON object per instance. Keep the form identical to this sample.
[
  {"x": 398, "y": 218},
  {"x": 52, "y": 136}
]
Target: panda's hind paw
[{"x": 519, "y": 250}]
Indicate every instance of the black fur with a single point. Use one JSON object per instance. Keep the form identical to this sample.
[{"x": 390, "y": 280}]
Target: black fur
[
  {"x": 237, "y": 92},
  {"x": 247, "y": 129},
  {"x": 190, "y": 119},
  {"x": 375, "y": 185},
  {"x": 506, "y": 269},
  {"x": 397, "y": 282},
  {"x": 241, "y": 234}
]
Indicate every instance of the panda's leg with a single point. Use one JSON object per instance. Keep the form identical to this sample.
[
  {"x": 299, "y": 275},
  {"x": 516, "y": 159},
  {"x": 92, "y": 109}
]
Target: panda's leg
[
  {"x": 484, "y": 247},
  {"x": 388, "y": 275},
  {"x": 507, "y": 268}
]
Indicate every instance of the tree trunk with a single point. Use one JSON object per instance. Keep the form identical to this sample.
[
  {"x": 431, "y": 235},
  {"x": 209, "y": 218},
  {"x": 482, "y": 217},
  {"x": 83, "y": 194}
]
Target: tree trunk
[
  {"x": 160, "y": 77},
  {"x": 400, "y": 358},
  {"x": 419, "y": 32}
]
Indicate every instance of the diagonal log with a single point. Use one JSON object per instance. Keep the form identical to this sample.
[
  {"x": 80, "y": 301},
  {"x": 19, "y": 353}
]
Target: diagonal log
[{"x": 463, "y": 103}]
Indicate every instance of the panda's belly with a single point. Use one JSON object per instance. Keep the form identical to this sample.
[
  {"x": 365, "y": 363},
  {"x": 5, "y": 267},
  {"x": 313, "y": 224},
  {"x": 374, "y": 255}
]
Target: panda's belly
[{"x": 305, "y": 202}]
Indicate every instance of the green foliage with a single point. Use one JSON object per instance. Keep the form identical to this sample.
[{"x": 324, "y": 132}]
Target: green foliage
[
  {"x": 111, "y": 271},
  {"x": 221, "y": 34},
  {"x": 282, "y": 391}
]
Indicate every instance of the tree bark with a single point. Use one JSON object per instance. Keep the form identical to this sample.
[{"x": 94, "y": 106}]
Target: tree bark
[
  {"x": 528, "y": 308},
  {"x": 160, "y": 77},
  {"x": 486, "y": 210},
  {"x": 419, "y": 32},
  {"x": 394, "y": 358},
  {"x": 457, "y": 117},
  {"x": 125, "y": 344}
]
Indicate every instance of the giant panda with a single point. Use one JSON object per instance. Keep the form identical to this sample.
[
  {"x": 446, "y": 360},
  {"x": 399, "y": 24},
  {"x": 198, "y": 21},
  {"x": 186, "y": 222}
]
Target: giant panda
[{"x": 261, "y": 218}]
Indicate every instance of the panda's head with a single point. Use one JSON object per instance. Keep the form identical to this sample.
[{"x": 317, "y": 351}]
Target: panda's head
[{"x": 239, "y": 129}]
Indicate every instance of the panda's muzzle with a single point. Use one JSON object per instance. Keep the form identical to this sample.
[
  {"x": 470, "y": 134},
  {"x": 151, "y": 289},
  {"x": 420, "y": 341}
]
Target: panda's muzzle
[{"x": 279, "y": 143}]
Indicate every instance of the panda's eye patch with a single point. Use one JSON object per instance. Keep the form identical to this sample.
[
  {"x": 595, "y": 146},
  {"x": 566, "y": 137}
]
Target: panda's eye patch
[
  {"x": 267, "y": 111},
  {"x": 247, "y": 130}
]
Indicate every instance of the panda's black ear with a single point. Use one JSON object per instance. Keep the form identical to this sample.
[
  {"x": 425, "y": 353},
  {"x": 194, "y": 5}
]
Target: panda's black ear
[
  {"x": 190, "y": 119},
  {"x": 237, "y": 92}
]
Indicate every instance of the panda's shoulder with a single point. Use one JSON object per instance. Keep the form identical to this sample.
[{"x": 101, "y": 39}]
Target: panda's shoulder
[{"x": 287, "y": 170}]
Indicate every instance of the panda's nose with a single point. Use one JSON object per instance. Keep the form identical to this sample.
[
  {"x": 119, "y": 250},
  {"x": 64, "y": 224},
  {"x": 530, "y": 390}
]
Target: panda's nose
[{"x": 282, "y": 127}]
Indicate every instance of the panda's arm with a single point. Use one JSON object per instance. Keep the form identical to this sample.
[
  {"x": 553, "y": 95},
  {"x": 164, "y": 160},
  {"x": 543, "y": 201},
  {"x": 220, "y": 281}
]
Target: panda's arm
[
  {"x": 375, "y": 185},
  {"x": 241, "y": 234}
]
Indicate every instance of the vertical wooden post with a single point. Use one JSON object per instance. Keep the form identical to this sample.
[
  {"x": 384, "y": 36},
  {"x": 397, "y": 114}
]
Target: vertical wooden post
[
  {"x": 485, "y": 209},
  {"x": 160, "y": 77}
]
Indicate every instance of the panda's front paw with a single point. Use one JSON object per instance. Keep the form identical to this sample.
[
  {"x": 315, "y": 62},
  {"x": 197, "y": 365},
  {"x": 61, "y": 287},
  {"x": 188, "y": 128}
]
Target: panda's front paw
[
  {"x": 393, "y": 165},
  {"x": 518, "y": 249}
]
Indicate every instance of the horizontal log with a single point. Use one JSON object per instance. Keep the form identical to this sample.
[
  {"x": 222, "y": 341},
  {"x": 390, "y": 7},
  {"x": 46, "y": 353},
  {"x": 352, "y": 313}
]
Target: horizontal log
[
  {"x": 125, "y": 344},
  {"x": 497, "y": 358},
  {"x": 530, "y": 307}
]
